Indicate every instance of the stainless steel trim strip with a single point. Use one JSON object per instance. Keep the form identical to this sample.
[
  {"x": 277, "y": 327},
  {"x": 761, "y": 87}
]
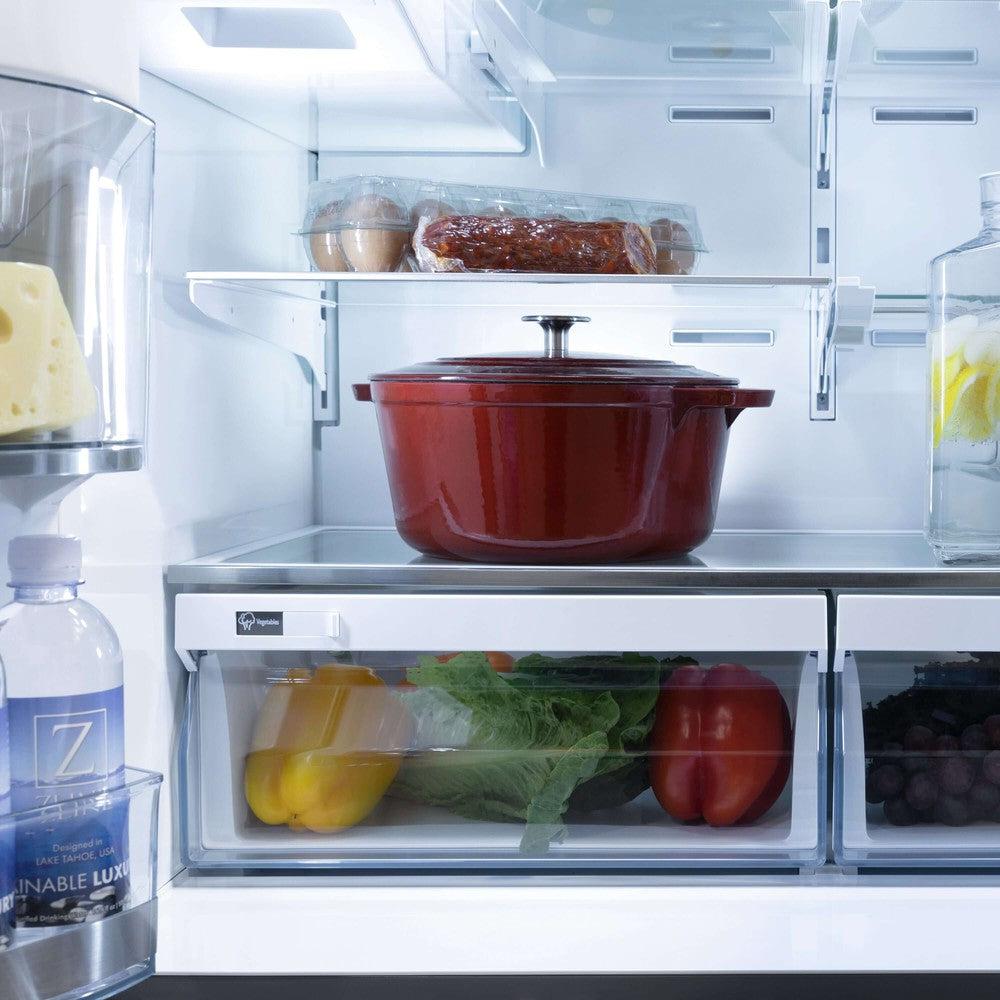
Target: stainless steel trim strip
[
  {"x": 70, "y": 460},
  {"x": 96, "y": 959}
]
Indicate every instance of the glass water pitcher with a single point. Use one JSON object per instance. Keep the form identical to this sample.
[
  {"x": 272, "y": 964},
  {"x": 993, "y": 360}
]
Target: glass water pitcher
[{"x": 964, "y": 512}]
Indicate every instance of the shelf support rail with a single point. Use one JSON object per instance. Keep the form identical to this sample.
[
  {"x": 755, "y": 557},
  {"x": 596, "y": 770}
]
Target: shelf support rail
[
  {"x": 301, "y": 324},
  {"x": 843, "y": 327},
  {"x": 851, "y": 303}
]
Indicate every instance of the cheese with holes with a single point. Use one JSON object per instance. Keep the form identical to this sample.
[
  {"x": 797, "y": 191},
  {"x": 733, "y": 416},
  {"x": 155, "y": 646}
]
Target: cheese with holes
[{"x": 44, "y": 385}]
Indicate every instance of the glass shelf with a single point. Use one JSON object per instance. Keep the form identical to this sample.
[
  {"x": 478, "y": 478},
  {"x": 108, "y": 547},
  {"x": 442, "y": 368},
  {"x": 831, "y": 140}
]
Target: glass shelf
[
  {"x": 581, "y": 44},
  {"x": 695, "y": 290},
  {"x": 922, "y": 43},
  {"x": 349, "y": 557}
]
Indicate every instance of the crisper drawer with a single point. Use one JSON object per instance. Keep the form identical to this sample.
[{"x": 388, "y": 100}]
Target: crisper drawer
[
  {"x": 918, "y": 730},
  {"x": 515, "y": 731}
]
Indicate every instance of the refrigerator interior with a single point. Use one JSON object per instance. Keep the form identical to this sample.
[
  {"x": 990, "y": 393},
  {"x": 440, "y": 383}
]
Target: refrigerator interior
[
  {"x": 718, "y": 104},
  {"x": 214, "y": 478}
]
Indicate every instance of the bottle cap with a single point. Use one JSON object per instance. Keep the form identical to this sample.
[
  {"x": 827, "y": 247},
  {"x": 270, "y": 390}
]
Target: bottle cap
[{"x": 44, "y": 560}]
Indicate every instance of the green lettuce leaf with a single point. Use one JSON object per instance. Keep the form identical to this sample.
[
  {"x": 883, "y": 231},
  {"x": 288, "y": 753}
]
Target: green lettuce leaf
[{"x": 535, "y": 738}]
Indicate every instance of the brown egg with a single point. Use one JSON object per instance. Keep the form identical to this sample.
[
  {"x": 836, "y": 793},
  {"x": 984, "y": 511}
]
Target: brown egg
[
  {"x": 672, "y": 259},
  {"x": 375, "y": 233},
  {"x": 429, "y": 208},
  {"x": 323, "y": 244}
]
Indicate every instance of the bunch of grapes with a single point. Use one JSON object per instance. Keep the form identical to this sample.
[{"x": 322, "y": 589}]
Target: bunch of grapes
[{"x": 937, "y": 777}]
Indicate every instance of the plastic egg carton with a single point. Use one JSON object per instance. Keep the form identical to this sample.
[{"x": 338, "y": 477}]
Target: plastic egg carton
[{"x": 367, "y": 223}]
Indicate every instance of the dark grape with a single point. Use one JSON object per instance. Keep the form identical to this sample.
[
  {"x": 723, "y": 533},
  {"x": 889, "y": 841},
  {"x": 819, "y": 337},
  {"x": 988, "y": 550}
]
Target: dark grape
[
  {"x": 915, "y": 762},
  {"x": 992, "y": 727},
  {"x": 891, "y": 753},
  {"x": 885, "y": 782},
  {"x": 921, "y": 791},
  {"x": 975, "y": 742},
  {"x": 991, "y": 767},
  {"x": 952, "y": 811},
  {"x": 984, "y": 799},
  {"x": 899, "y": 813},
  {"x": 945, "y": 746},
  {"x": 918, "y": 739},
  {"x": 944, "y": 719},
  {"x": 955, "y": 775}
]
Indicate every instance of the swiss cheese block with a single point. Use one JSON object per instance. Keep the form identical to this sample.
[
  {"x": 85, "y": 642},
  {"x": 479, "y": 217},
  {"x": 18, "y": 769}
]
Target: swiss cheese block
[{"x": 44, "y": 385}]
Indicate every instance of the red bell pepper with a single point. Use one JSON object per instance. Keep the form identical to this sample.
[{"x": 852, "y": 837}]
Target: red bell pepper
[{"x": 721, "y": 747}]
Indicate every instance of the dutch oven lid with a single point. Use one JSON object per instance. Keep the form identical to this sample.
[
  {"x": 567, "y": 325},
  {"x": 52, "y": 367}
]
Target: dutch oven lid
[{"x": 555, "y": 364}]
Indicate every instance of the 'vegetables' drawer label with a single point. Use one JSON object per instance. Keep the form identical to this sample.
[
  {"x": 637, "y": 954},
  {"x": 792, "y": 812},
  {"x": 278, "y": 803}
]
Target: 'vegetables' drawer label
[{"x": 260, "y": 623}]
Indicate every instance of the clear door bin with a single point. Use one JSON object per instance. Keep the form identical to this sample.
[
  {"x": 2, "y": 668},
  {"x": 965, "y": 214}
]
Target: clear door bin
[
  {"x": 101, "y": 939},
  {"x": 407, "y": 743},
  {"x": 918, "y": 731},
  {"x": 75, "y": 195}
]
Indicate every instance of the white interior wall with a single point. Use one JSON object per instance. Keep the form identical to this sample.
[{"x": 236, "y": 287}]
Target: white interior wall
[
  {"x": 751, "y": 186},
  {"x": 229, "y": 455}
]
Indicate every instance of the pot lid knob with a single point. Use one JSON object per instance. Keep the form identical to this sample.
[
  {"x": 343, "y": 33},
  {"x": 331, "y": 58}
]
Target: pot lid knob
[{"x": 556, "y": 332}]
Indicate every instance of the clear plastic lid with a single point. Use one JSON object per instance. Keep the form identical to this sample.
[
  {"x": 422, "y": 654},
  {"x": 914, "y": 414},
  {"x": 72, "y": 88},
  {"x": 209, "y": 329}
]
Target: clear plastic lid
[
  {"x": 367, "y": 202},
  {"x": 376, "y": 202}
]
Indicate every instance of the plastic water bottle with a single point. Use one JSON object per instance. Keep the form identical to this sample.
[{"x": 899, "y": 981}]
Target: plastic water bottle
[
  {"x": 6, "y": 829},
  {"x": 63, "y": 665}
]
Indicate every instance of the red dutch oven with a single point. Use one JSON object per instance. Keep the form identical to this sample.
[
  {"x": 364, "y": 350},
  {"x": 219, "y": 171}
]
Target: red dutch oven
[{"x": 552, "y": 457}]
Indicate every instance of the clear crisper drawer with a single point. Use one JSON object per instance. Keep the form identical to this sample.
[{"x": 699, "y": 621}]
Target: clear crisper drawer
[
  {"x": 918, "y": 731},
  {"x": 95, "y": 934},
  {"x": 446, "y": 731}
]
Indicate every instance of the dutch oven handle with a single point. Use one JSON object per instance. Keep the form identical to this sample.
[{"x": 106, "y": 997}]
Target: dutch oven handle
[
  {"x": 747, "y": 399},
  {"x": 363, "y": 392},
  {"x": 556, "y": 329},
  {"x": 733, "y": 400}
]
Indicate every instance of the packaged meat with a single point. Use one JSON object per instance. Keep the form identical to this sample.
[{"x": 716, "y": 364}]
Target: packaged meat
[{"x": 549, "y": 245}]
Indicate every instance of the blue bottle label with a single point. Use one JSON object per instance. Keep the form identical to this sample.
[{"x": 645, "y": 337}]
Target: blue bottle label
[
  {"x": 6, "y": 837},
  {"x": 71, "y": 861}
]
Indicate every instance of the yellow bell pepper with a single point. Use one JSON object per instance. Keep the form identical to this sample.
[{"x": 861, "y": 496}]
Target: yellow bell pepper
[{"x": 326, "y": 746}]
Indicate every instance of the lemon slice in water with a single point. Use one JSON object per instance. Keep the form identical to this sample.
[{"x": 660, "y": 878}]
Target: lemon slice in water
[{"x": 965, "y": 411}]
